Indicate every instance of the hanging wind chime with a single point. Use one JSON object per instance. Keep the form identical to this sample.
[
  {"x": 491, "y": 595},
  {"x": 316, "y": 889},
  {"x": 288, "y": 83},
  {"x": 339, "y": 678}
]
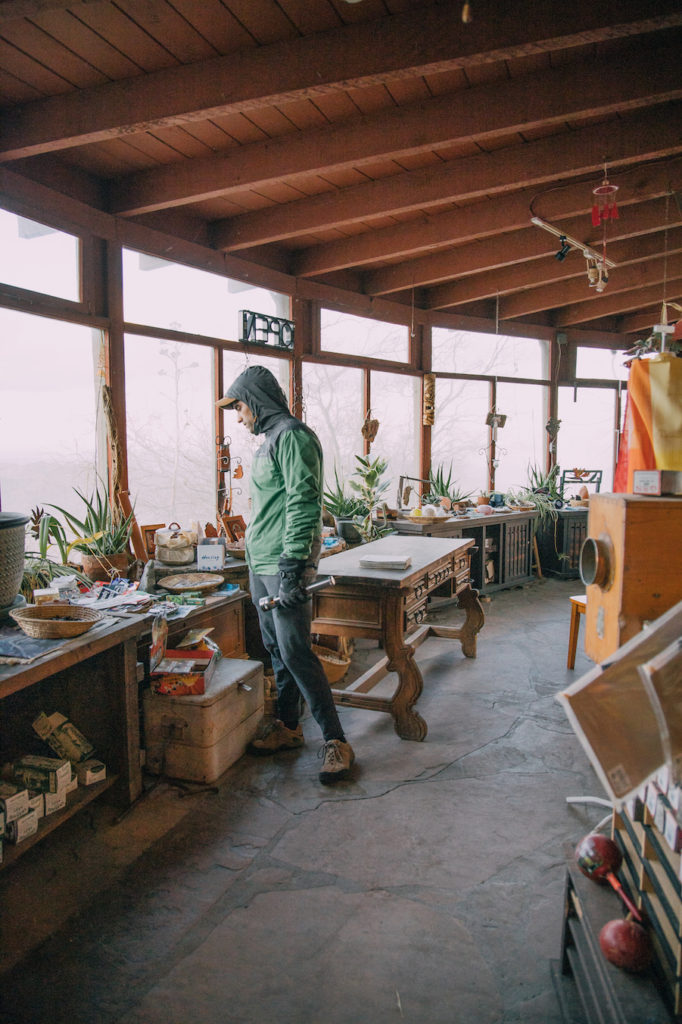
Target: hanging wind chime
[{"x": 604, "y": 209}]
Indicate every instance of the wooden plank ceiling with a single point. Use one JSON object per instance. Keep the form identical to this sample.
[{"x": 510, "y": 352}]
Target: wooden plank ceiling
[{"x": 384, "y": 146}]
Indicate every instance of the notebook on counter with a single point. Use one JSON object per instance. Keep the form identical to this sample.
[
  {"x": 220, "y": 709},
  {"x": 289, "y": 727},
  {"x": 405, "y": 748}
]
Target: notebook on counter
[{"x": 385, "y": 562}]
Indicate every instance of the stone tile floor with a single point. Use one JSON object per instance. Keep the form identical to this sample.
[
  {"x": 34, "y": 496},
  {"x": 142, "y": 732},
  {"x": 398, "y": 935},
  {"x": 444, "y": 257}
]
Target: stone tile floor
[{"x": 427, "y": 888}]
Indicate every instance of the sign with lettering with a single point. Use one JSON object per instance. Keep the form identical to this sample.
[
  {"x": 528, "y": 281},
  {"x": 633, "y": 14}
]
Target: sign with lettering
[{"x": 266, "y": 330}]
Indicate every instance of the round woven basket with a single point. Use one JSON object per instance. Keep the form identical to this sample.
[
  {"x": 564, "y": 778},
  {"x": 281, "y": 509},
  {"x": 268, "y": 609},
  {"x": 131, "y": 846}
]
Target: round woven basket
[
  {"x": 52, "y": 622},
  {"x": 334, "y": 664}
]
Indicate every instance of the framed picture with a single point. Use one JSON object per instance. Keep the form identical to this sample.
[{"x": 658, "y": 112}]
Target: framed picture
[
  {"x": 148, "y": 537},
  {"x": 234, "y": 527}
]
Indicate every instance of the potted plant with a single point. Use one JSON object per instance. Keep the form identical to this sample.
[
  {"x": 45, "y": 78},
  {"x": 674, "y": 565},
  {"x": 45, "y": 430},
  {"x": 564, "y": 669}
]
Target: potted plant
[
  {"x": 369, "y": 487},
  {"x": 39, "y": 569},
  {"x": 442, "y": 489},
  {"x": 344, "y": 508},
  {"x": 102, "y": 536}
]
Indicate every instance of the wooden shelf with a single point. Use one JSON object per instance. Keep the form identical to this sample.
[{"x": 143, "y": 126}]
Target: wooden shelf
[{"x": 48, "y": 823}]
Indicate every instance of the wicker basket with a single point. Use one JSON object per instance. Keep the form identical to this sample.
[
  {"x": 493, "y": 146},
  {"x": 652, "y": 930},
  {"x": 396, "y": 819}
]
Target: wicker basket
[
  {"x": 52, "y": 622},
  {"x": 335, "y": 665}
]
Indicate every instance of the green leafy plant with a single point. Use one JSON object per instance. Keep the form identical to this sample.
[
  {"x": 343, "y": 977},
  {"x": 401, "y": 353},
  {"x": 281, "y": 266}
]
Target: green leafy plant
[
  {"x": 39, "y": 569},
  {"x": 369, "y": 486},
  {"x": 39, "y": 573},
  {"x": 442, "y": 486},
  {"x": 103, "y": 530},
  {"x": 544, "y": 482},
  {"x": 339, "y": 503}
]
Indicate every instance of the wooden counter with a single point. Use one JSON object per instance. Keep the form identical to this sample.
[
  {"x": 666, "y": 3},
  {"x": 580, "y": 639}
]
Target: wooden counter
[
  {"x": 94, "y": 680},
  {"x": 391, "y": 606}
]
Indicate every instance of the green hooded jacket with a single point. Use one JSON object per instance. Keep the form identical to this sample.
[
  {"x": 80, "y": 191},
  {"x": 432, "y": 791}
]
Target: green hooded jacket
[{"x": 286, "y": 477}]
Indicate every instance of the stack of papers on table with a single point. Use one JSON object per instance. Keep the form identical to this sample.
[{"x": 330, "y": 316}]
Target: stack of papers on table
[{"x": 385, "y": 562}]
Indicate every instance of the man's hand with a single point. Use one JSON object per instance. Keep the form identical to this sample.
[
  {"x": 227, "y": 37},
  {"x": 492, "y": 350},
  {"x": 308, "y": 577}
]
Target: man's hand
[{"x": 291, "y": 591}]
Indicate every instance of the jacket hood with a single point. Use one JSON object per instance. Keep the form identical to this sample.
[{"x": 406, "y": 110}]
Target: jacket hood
[{"x": 257, "y": 387}]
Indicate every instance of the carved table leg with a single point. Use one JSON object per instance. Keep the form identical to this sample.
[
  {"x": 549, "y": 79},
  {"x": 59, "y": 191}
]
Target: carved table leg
[
  {"x": 468, "y": 600},
  {"x": 407, "y": 722}
]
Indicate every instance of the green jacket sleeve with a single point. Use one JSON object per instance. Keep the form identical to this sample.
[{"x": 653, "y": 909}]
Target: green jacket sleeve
[{"x": 300, "y": 460}]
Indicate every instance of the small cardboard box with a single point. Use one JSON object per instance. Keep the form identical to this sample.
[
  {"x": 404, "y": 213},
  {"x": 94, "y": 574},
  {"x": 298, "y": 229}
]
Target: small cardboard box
[
  {"x": 48, "y": 774},
  {"x": 55, "y": 801},
  {"x": 36, "y": 802},
  {"x": 91, "y": 771},
  {"x": 23, "y": 827},
  {"x": 210, "y": 556},
  {"x": 184, "y": 672},
  {"x": 672, "y": 833},
  {"x": 63, "y": 736},
  {"x": 13, "y": 801}
]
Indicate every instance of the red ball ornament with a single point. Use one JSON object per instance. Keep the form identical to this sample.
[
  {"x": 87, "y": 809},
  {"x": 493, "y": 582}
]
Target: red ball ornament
[
  {"x": 598, "y": 856},
  {"x": 626, "y": 944}
]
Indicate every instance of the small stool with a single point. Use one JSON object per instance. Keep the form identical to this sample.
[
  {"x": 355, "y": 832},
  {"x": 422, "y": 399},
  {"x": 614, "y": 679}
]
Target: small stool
[{"x": 578, "y": 605}]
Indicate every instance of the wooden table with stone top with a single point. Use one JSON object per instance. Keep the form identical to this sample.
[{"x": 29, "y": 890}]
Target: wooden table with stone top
[{"x": 390, "y": 605}]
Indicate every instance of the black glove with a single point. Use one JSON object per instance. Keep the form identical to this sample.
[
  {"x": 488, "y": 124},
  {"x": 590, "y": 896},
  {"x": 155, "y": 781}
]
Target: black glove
[{"x": 291, "y": 590}]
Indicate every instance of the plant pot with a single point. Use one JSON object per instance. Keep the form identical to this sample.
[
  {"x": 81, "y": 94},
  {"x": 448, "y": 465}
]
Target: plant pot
[
  {"x": 106, "y": 567},
  {"x": 348, "y": 531}
]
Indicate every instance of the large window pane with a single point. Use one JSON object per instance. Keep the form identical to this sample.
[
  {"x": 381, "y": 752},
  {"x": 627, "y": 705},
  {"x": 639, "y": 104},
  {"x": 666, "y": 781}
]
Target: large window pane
[
  {"x": 600, "y": 364},
  {"x": 243, "y": 444},
  {"x": 491, "y": 355},
  {"x": 49, "y": 405},
  {"x": 38, "y": 257},
  {"x": 522, "y": 441},
  {"x": 396, "y": 403},
  {"x": 165, "y": 294},
  {"x": 171, "y": 443},
  {"x": 459, "y": 436},
  {"x": 360, "y": 336},
  {"x": 586, "y": 438},
  {"x": 333, "y": 404}
]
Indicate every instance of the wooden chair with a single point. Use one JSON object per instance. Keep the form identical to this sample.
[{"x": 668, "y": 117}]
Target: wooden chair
[{"x": 578, "y": 606}]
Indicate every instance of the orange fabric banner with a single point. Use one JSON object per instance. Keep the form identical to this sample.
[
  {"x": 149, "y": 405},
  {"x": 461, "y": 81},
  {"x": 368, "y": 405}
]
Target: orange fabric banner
[{"x": 652, "y": 432}]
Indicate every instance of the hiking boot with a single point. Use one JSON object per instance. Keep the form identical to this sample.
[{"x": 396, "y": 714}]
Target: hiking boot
[
  {"x": 276, "y": 736},
  {"x": 338, "y": 757}
]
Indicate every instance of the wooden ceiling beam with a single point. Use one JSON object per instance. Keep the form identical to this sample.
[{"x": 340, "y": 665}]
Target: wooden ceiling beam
[
  {"x": 639, "y": 76},
  {"x": 639, "y": 137},
  {"x": 360, "y": 54},
  {"x": 477, "y": 221},
  {"x": 539, "y": 275},
  {"x": 651, "y": 277}
]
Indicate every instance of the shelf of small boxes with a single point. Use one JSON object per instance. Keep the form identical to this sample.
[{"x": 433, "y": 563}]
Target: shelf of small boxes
[
  {"x": 649, "y": 835},
  {"x": 38, "y": 793}
]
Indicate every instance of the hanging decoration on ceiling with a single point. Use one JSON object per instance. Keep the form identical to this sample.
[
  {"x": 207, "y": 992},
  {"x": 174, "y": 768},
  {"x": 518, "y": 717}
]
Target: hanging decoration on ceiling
[
  {"x": 604, "y": 202},
  {"x": 467, "y": 16}
]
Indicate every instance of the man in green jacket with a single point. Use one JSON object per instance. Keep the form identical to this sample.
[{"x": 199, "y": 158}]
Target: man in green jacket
[{"x": 282, "y": 552}]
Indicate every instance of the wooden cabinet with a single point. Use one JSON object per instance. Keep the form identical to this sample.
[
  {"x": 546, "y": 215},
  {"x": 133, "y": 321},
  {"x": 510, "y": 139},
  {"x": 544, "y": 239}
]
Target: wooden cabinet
[
  {"x": 632, "y": 563},
  {"x": 560, "y": 541},
  {"x": 591, "y": 989},
  {"x": 504, "y": 550},
  {"x": 651, "y": 875}
]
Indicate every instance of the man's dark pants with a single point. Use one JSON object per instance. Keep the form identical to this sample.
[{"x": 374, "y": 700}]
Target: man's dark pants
[{"x": 298, "y": 672}]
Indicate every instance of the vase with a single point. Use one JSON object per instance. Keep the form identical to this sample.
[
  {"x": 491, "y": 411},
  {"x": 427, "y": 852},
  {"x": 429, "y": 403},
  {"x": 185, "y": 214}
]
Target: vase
[
  {"x": 348, "y": 531},
  {"x": 12, "y": 536},
  {"x": 106, "y": 567}
]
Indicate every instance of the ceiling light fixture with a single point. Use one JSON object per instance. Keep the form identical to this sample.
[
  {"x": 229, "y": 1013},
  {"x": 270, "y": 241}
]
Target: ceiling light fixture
[
  {"x": 597, "y": 265},
  {"x": 564, "y": 249}
]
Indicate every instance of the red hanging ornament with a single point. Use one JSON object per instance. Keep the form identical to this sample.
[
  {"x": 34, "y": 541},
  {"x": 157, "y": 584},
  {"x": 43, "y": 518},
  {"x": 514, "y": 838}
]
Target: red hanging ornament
[{"x": 604, "y": 202}]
